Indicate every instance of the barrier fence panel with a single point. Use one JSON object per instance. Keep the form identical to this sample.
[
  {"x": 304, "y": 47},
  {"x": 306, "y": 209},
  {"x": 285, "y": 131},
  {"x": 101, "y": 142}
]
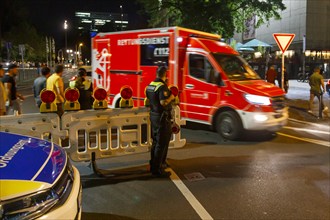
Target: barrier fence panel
[
  {"x": 107, "y": 133},
  {"x": 99, "y": 133},
  {"x": 176, "y": 141},
  {"x": 44, "y": 126}
]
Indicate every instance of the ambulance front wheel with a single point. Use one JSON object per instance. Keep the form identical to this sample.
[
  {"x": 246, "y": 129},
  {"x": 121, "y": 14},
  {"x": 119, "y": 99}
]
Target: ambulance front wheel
[{"x": 229, "y": 125}]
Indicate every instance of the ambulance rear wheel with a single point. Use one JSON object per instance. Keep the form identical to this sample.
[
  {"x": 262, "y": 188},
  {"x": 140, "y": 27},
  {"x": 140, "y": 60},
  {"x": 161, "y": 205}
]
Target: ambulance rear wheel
[{"x": 229, "y": 125}]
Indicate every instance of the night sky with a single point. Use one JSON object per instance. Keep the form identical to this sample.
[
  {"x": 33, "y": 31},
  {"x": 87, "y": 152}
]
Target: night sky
[{"x": 48, "y": 16}]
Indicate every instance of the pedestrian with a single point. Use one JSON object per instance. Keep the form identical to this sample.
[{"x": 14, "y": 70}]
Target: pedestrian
[
  {"x": 316, "y": 82},
  {"x": 39, "y": 84},
  {"x": 271, "y": 74},
  {"x": 9, "y": 82},
  {"x": 55, "y": 83},
  {"x": 160, "y": 99},
  {"x": 286, "y": 80},
  {"x": 327, "y": 87},
  {"x": 3, "y": 93},
  {"x": 85, "y": 88}
]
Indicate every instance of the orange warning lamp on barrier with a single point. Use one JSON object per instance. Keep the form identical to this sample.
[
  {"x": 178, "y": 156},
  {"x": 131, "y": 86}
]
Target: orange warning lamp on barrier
[
  {"x": 126, "y": 94},
  {"x": 175, "y": 91},
  {"x": 71, "y": 99},
  {"x": 100, "y": 96},
  {"x": 48, "y": 101},
  {"x": 175, "y": 128}
]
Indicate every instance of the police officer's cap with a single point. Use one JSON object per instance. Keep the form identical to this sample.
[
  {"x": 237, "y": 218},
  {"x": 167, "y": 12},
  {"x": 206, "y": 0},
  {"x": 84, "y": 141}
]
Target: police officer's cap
[
  {"x": 82, "y": 72},
  {"x": 161, "y": 71}
]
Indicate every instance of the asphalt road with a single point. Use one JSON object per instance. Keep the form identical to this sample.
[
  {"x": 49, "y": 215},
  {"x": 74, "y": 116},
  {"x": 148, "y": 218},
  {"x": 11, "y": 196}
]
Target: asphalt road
[{"x": 265, "y": 176}]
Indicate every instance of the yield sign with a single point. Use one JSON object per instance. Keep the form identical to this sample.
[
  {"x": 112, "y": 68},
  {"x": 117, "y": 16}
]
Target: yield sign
[{"x": 283, "y": 40}]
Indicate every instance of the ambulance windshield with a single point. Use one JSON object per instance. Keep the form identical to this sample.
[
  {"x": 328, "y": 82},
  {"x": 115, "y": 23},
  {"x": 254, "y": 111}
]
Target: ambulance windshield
[{"x": 235, "y": 67}]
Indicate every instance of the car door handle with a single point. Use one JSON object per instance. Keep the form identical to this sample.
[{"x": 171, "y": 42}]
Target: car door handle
[{"x": 190, "y": 86}]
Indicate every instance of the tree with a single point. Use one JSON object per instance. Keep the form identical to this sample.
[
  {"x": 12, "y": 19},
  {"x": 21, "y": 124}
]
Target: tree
[
  {"x": 26, "y": 34},
  {"x": 216, "y": 16}
]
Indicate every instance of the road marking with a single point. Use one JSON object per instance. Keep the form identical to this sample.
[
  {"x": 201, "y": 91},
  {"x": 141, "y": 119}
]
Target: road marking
[
  {"x": 308, "y": 130},
  {"x": 324, "y": 143},
  {"x": 189, "y": 196},
  {"x": 310, "y": 123}
]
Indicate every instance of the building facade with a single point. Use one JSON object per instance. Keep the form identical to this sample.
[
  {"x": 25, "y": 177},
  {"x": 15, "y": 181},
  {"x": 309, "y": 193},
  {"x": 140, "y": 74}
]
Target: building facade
[{"x": 309, "y": 20}]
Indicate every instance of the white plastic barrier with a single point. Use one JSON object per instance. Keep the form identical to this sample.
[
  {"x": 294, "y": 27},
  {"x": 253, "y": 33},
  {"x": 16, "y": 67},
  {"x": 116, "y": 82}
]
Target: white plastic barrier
[
  {"x": 92, "y": 133},
  {"x": 44, "y": 126},
  {"x": 108, "y": 132},
  {"x": 111, "y": 132}
]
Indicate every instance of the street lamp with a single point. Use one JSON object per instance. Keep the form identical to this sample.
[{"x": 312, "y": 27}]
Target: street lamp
[
  {"x": 121, "y": 15},
  {"x": 60, "y": 56},
  {"x": 80, "y": 54},
  {"x": 65, "y": 32}
]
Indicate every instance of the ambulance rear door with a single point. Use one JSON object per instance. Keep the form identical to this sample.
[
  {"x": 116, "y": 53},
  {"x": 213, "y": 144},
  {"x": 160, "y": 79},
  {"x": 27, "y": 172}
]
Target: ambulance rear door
[{"x": 156, "y": 49}]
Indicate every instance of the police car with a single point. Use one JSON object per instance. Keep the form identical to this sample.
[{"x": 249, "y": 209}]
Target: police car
[{"x": 37, "y": 180}]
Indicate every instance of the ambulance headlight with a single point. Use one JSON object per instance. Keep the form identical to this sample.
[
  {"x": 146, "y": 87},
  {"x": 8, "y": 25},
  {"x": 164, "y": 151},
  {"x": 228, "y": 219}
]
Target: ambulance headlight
[{"x": 257, "y": 99}]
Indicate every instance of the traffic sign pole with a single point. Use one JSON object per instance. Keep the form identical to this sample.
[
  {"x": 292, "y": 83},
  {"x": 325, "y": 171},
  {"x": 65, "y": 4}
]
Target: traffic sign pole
[{"x": 283, "y": 41}]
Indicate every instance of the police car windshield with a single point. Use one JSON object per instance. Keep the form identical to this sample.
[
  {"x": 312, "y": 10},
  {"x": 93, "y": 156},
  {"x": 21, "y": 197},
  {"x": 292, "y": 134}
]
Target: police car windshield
[{"x": 235, "y": 67}]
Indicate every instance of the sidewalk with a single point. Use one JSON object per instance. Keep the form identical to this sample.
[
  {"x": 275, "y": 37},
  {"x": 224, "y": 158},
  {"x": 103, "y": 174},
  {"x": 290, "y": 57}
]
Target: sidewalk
[{"x": 297, "y": 99}]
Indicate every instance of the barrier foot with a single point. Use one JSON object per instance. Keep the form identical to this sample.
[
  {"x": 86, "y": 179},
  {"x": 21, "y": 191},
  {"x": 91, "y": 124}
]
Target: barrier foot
[
  {"x": 130, "y": 172},
  {"x": 96, "y": 170}
]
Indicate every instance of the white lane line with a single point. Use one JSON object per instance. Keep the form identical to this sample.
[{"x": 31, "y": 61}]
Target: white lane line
[
  {"x": 324, "y": 143},
  {"x": 310, "y": 123},
  {"x": 189, "y": 196},
  {"x": 307, "y": 130}
]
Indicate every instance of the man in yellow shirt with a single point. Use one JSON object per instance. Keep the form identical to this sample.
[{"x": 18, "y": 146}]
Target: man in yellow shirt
[{"x": 55, "y": 83}]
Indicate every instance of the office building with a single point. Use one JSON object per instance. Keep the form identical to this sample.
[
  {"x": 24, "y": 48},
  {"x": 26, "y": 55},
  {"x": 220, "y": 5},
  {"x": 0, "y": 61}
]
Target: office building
[{"x": 309, "y": 20}]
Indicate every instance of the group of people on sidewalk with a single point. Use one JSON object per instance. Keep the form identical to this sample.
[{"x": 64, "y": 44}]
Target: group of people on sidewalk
[
  {"x": 9, "y": 95},
  {"x": 316, "y": 82}
]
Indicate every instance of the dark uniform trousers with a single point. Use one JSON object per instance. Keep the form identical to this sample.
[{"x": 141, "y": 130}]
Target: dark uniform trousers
[{"x": 161, "y": 134}]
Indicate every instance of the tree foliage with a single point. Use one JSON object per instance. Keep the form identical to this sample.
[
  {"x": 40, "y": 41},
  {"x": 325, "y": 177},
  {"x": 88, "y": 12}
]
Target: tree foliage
[
  {"x": 16, "y": 30},
  {"x": 216, "y": 16}
]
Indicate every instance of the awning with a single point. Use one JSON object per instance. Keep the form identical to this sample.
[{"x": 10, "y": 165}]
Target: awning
[
  {"x": 256, "y": 43},
  {"x": 240, "y": 47}
]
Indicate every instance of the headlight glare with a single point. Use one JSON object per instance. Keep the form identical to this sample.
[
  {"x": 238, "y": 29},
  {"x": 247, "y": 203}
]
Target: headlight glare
[{"x": 257, "y": 99}]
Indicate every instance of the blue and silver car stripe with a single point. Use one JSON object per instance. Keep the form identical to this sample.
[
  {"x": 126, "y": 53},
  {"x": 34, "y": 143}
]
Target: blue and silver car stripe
[{"x": 28, "y": 158}]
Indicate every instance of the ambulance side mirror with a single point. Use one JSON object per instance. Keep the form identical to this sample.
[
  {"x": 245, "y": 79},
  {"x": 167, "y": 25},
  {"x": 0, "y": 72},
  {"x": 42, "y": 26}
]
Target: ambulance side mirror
[
  {"x": 71, "y": 99},
  {"x": 48, "y": 101},
  {"x": 126, "y": 100},
  {"x": 100, "y": 101}
]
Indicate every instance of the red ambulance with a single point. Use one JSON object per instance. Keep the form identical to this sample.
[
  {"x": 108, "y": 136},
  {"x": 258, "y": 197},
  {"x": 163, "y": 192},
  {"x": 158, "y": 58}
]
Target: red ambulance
[{"x": 217, "y": 86}]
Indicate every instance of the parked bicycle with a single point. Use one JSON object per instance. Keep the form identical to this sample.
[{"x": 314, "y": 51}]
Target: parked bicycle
[{"x": 303, "y": 77}]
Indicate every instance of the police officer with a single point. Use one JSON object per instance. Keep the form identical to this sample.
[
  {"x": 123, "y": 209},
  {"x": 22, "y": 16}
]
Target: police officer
[
  {"x": 160, "y": 99},
  {"x": 85, "y": 88}
]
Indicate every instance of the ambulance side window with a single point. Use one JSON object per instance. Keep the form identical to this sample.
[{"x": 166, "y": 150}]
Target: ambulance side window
[{"x": 201, "y": 68}]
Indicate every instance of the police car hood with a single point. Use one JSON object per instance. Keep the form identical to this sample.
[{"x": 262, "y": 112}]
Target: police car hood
[
  {"x": 258, "y": 87},
  {"x": 28, "y": 165}
]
